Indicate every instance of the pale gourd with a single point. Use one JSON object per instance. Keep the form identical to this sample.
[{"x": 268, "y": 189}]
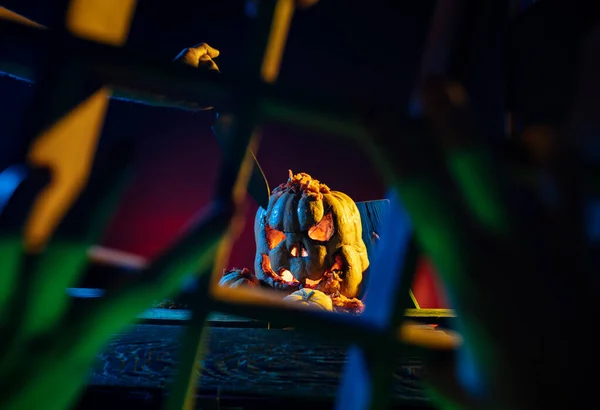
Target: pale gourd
[
  {"x": 311, "y": 298},
  {"x": 238, "y": 277}
]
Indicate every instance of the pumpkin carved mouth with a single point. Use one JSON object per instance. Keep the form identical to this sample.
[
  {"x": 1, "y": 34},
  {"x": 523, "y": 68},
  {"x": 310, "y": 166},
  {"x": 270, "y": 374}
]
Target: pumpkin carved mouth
[
  {"x": 284, "y": 279},
  {"x": 312, "y": 236},
  {"x": 288, "y": 277},
  {"x": 329, "y": 283}
]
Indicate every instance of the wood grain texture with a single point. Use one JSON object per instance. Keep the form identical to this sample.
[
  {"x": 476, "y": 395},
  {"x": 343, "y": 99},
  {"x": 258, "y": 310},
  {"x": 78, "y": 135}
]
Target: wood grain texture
[
  {"x": 248, "y": 357},
  {"x": 372, "y": 214},
  {"x": 256, "y": 362}
]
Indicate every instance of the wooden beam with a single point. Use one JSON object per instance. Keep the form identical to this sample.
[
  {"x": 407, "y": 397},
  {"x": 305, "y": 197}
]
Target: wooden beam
[
  {"x": 263, "y": 59},
  {"x": 68, "y": 145},
  {"x": 103, "y": 21},
  {"x": 129, "y": 69},
  {"x": 113, "y": 257},
  {"x": 10, "y": 15}
]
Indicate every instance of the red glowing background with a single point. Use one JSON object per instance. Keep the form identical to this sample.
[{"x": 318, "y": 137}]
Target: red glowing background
[
  {"x": 177, "y": 154},
  {"x": 177, "y": 173}
]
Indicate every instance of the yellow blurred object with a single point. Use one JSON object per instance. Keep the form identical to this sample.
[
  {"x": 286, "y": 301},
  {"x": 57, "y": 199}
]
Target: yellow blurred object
[
  {"x": 104, "y": 21},
  {"x": 429, "y": 337},
  {"x": 68, "y": 149},
  {"x": 68, "y": 146},
  {"x": 306, "y": 3},
  {"x": 282, "y": 18},
  {"x": 10, "y": 15},
  {"x": 410, "y": 333}
]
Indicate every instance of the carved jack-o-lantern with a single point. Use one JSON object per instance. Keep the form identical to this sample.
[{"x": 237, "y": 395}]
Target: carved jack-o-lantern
[{"x": 307, "y": 231}]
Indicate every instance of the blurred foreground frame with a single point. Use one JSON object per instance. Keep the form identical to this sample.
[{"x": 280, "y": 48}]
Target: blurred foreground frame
[{"x": 76, "y": 64}]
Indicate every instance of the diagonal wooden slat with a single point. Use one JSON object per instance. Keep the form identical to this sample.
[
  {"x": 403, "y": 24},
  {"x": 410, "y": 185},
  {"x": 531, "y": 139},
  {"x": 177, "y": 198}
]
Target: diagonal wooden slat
[
  {"x": 264, "y": 57},
  {"x": 10, "y": 15},
  {"x": 372, "y": 214},
  {"x": 61, "y": 134},
  {"x": 280, "y": 25},
  {"x": 184, "y": 86},
  {"x": 68, "y": 145},
  {"x": 68, "y": 149},
  {"x": 392, "y": 292},
  {"x": 103, "y": 21},
  {"x": 389, "y": 261},
  {"x": 367, "y": 377}
]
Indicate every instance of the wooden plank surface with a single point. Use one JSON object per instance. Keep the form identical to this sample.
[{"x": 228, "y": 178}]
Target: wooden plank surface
[{"x": 256, "y": 362}]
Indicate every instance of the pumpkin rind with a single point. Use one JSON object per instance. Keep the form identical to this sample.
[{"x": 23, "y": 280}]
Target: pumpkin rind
[
  {"x": 312, "y": 298},
  {"x": 293, "y": 209},
  {"x": 238, "y": 277}
]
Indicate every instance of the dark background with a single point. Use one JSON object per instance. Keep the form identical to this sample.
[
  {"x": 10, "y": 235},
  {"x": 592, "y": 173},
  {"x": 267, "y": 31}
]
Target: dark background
[
  {"x": 369, "y": 50},
  {"x": 330, "y": 49}
]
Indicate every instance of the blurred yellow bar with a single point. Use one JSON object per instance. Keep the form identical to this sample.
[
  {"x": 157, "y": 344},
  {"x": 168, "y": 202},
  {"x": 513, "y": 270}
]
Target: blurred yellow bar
[
  {"x": 68, "y": 147},
  {"x": 10, "y": 15},
  {"x": 428, "y": 337},
  {"x": 248, "y": 299},
  {"x": 104, "y": 21},
  {"x": 280, "y": 27}
]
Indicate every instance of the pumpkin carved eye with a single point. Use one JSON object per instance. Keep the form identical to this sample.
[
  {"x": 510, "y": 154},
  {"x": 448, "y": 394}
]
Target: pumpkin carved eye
[
  {"x": 274, "y": 237},
  {"x": 298, "y": 249},
  {"x": 323, "y": 230}
]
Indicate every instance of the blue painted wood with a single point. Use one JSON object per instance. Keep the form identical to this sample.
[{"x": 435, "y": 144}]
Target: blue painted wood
[
  {"x": 359, "y": 389},
  {"x": 372, "y": 214},
  {"x": 388, "y": 262}
]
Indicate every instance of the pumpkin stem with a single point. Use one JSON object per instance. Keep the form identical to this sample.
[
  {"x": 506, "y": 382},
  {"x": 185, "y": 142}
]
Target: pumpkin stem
[
  {"x": 304, "y": 184},
  {"x": 310, "y": 295}
]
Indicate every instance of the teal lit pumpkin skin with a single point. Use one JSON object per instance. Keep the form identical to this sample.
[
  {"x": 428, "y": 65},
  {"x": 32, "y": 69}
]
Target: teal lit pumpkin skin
[
  {"x": 238, "y": 277},
  {"x": 306, "y": 231},
  {"x": 311, "y": 298}
]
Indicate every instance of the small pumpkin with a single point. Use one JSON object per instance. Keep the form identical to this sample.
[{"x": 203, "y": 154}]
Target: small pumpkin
[
  {"x": 238, "y": 277},
  {"x": 306, "y": 231},
  {"x": 312, "y": 298}
]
